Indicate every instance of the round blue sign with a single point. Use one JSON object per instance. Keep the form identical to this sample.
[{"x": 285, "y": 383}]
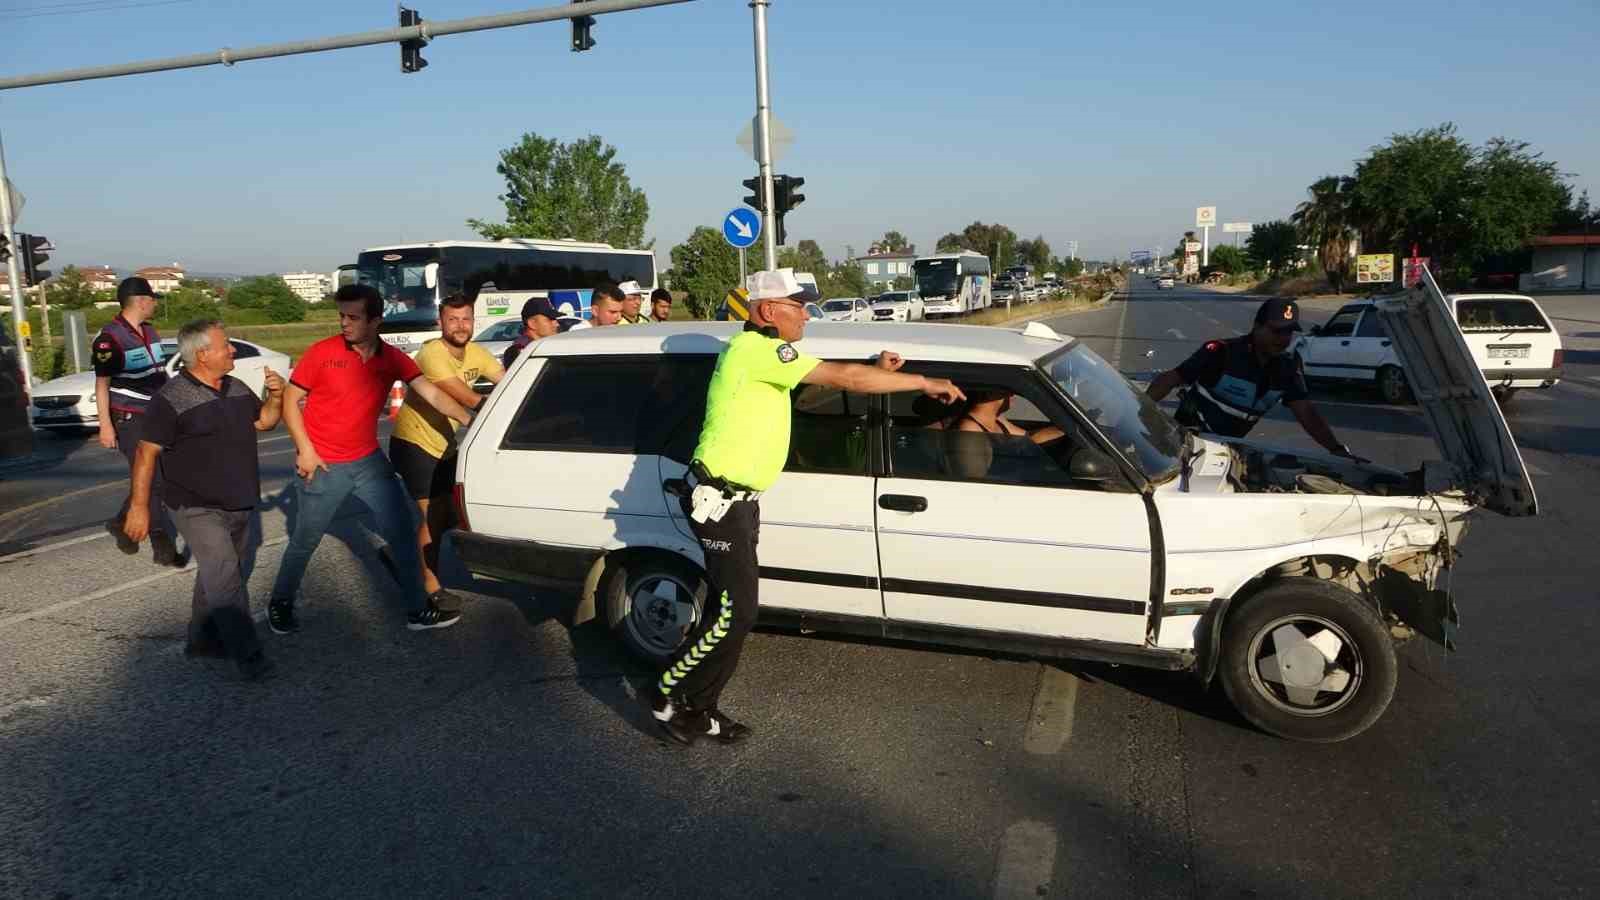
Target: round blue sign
[{"x": 741, "y": 226}]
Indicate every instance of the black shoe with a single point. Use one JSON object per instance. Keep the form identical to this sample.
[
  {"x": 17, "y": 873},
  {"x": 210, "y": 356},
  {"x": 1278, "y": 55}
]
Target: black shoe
[
  {"x": 672, "y": 717},
  {"x": 280, "y": 616},
  {"x": 256, "y": 667},
  {"x": 124, "y": 543},
  {"x": 432, "y": 617},
  {"x": 724, "y": 729},
  {"x": 445, "y": 600},
  {"x": 207, "y": 648},
  {"x": 164, "y": 550}
]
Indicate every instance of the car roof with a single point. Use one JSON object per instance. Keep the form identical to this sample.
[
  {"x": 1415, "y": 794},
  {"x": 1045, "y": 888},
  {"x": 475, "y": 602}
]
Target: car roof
[
  {"x": 828, "y": 340},
  {"x": 1457, "y": 298}
]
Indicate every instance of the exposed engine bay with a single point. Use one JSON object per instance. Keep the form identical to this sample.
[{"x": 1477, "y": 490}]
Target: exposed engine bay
[{"x": 1259, "y": 470}]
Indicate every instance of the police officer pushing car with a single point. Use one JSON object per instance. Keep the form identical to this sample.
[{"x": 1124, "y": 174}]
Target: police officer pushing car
[
  {"x": 743, "y": 446},
  {"x": 1236, "y": 381}
]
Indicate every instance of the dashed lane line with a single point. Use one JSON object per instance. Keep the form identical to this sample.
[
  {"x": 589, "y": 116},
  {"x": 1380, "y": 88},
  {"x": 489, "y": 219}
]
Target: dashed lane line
[
  {"x": 1027, "y": 861},
  {"x": 1054, "y": 705},
  {"x": 18, "y": 619}
]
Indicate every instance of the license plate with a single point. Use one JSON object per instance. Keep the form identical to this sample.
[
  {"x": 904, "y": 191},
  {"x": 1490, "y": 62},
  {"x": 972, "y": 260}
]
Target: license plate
[
  {"x": 1508, "y": 352},
  {"x": 54, "y": 413}
]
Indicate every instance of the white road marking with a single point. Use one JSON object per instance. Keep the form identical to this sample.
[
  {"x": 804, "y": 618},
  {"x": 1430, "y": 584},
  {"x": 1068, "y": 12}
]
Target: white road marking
[
  {"x": 61, "y": 545},
  {"x": 1116, "y": 348},
  {"x": 25, "y": 703},
  {"x": 18, "y": 619},
  {"x": 1027, "y": 861},
  {"x": 1050, "y": 721},
  {"x": 1177, "y": 334}
]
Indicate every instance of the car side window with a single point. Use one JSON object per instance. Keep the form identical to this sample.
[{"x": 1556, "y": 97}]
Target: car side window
[
  {"x": 1343, "y": 323},
  {"x": 241, "y": 350},
  {"x": 829, "y": 431},
  {"x": 1371, "y": 326},
  {"x": 928, "y": 440},
  {"x": 614, "y": 404}
]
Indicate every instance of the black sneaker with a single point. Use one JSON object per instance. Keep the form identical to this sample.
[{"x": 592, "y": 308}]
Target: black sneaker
[
  {"x": 432, "y": 617},
  {"x": 445, "y": 600},
  {"x": 256, "y": 667},
  {"x": 724, "y": 729},
  {"x": 164, "y": 550},
  {"x": 280, "y": 616},
  {"x": 674, "y": 718},
  {"x": 124, "y": 543}
]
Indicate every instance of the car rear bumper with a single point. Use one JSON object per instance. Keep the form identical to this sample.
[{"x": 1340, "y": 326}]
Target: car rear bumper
[
  {"x": 1521, "y": 378},
  {"x": 527, "y": 562}
]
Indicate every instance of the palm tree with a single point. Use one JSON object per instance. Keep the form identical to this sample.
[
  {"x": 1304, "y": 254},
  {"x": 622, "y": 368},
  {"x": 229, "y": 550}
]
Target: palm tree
[{"x": 1327, "y": 221}]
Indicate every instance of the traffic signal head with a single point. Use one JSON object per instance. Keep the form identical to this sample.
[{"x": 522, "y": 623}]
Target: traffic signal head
[
  {"x": 787, "y": 188},
  {"x": 5, "y": 247},
  {"x": 411, "y": 50},
  {"x": 34, "y": 249},
  {"x": 582, "y": 32},
  {"x": 753, "y": 199}
]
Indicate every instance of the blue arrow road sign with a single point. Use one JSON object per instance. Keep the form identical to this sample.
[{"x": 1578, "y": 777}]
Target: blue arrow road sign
[{"x": 741, "y": 227}]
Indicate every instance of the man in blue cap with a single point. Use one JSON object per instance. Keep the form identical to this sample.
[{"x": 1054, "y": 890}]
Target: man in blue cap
[{"x": 539, "y": 320}]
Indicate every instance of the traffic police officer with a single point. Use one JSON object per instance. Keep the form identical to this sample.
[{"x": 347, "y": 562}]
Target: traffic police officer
[
  {"x": 743, "y": 446},
  {"x": 128, "y": 370},
  {"x": 1236, "y": 381},
  {"x": 632, "y": 304}
]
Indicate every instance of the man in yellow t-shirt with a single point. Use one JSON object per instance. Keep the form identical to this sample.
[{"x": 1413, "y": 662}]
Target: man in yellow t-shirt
[{"x": 423, "y": 446}]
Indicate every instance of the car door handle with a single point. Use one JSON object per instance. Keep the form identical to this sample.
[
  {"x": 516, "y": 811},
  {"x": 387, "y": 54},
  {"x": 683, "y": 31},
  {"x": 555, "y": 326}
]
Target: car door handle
[
  {"x": 903, "y": 502},
  {"x": 1387, "y": 343},
  {"x": 1344, "y": 343}
]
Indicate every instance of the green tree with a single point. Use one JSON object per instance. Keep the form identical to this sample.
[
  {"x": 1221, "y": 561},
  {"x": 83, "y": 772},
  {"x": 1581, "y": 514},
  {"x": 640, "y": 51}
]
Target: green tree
[
  {"x": 1273, "y": 245},
  {"x": 1035, "y": 253},
  {"x": 805, "y": 256},
  {"x": 996, "y": 241},
  {"x": 1326, "y": 222},
  {"x": 270, "y": 293},
  {"x": 706, "y": 268},
  {"x": 1230, "y": 259},
  {"x": 844, "y": 280},
  {"x": 69, "y": 290},
  {"x": 893, "y": 242},
  {"x": 903, "y": 283},
  {"x": 576, "y": 190},
  {"x": 1575, "y": 216}
]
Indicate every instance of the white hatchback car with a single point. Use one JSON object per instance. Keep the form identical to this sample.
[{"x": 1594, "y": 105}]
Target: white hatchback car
[
  {"x": 847, "y": 309},
  {"x": 67, "y": 404},
  {"x": 898, "y": 306},
  {"x": 1287, "y": 575},
  {"x": 1510, "y": 338}
]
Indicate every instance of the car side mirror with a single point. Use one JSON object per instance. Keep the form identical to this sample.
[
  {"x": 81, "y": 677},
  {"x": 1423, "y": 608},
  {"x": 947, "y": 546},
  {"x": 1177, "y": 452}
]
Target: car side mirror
[
  {"x": 1089, "y": 464},
  {"x": 1316, "y": 330}
]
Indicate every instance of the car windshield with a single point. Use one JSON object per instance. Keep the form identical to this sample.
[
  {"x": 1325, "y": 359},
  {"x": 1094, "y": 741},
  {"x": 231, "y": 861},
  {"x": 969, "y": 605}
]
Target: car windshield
[
  {"x": 898, "y": 297},
  {"x": 937, "y": 277},
  {"x": 838, "y": 305},
  {"x": 1139, "y": 428}
]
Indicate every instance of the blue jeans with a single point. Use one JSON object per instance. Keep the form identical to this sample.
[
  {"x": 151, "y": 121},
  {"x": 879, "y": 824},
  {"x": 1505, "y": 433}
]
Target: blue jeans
[{"x": 372, "y": 480}]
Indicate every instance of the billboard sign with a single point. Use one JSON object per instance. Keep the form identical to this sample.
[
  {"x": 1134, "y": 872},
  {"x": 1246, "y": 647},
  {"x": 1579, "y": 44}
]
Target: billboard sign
[
  {"x": 1191, "y": 247},
  {"x": 1236, "y": 227},
  {"x": 1375, "y": 268},
  {"x": 1205, "y": 216}
]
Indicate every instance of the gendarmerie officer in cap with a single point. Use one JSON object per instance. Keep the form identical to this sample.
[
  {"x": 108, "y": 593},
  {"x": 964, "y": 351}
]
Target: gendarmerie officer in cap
[
  {"x": 744, "y": 444},
  {"x": 129, "y": 367},
  {"x": 1235, "y": 381}
]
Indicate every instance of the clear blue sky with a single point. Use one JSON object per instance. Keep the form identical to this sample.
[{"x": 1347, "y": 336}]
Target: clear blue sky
[{"x": 1103, "y": 124}]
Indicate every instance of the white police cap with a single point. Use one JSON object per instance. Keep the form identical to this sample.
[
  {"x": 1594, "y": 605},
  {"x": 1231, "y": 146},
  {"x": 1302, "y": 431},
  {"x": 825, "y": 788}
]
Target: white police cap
[{"x": 777, "y": 284}]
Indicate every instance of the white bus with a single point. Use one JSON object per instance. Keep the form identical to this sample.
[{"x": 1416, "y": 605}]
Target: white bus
[
  {"x": 952, "y": 284},
  {"x": 414, "y": 278}
]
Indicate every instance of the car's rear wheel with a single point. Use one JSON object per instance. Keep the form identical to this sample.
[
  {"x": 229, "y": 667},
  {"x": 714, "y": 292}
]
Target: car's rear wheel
[
  {"x": 1392, "y": 385},
  {"x": 1307, "y": 660},
  {"x": 652, "y": 602}
]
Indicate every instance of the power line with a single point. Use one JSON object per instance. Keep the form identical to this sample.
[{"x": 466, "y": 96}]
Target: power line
[{"x": 92, "y": 6}]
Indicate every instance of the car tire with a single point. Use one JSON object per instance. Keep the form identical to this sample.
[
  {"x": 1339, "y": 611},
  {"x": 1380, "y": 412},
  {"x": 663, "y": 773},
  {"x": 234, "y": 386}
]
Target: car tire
[
  {"x": 1391, "y": 382},
  {"x": 651, "y": 602},
  {"x": 1306, "y": 696}
]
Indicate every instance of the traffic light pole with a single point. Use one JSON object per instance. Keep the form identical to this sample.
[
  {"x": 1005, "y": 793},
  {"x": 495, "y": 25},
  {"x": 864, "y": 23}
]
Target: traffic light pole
[
  {"x": 19, "y": 313},
  {"x": 769, "y": 236}
]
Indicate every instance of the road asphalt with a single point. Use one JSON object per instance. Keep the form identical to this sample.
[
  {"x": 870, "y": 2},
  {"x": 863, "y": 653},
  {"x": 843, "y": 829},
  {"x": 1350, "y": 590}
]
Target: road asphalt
[{"x": 506, "y": 756}]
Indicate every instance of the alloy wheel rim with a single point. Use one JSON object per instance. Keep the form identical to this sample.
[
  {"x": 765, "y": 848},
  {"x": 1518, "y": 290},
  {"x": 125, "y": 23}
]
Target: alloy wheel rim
[
  {"x": 661, "y": 612},
  {"x": 1305, "y": 665}
]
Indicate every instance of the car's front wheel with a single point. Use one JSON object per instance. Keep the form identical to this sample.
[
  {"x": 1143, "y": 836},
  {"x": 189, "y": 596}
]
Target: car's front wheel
[
  {"x": 1392, "y": 384},
  {"x": 652, "y": 602},
  {"x": 1307, "y": 660}
]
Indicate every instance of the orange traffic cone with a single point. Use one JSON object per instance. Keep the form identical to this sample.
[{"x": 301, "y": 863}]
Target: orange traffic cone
[{"x": 397, "y": 396}]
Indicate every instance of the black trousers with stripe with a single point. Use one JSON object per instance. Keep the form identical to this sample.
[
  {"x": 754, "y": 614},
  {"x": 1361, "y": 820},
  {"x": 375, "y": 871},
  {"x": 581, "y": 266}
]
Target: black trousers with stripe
[{"x": 709, "y": 656}]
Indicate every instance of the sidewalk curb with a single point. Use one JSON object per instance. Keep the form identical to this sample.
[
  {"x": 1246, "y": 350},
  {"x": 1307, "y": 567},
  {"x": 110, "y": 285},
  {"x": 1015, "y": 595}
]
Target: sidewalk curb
[{"x": 1088, "y": 307}]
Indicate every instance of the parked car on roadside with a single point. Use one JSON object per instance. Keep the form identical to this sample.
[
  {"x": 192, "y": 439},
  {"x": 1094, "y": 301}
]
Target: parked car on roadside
[
  {"x": 1288, "y": 576},
  {"x": 1510, "y": 339},
  {"x": 67, "y": 404},
  {"x": 898, "y": 306},
  {"x": 1165, "y": 283},
  {"x": 847, "y": 309}
]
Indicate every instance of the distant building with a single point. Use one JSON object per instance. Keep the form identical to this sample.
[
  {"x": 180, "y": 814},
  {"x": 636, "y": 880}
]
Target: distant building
[
  {"x": 99, "y": 278},
  {"x": 883, "y": 267},
  {"x": 163, "y": 278},
  {"x": 1564, "y": 262},
  {"x": 311, "y": 286}
]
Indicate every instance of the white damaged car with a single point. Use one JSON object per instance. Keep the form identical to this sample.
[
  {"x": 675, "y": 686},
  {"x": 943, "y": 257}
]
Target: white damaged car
[{"x": 1287, "y": 576}]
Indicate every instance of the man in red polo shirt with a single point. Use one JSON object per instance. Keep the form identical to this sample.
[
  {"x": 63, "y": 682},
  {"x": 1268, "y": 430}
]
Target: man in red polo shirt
[{"x": 344, "y": 381}]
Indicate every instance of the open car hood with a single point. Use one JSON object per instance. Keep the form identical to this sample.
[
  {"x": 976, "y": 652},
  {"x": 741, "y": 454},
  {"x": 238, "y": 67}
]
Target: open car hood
[{"x": 1449, "y": 387}]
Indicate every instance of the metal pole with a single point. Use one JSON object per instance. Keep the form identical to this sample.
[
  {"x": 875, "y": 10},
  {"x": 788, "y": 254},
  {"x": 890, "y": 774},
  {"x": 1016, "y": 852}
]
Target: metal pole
[
  {"x": 769, "y": 235},
  {"x": 19, "y": 313},
  {"x": 427, "y": 31},
  {"x": 742, "y": 273},
  {"x": 1205, "y": 252}
]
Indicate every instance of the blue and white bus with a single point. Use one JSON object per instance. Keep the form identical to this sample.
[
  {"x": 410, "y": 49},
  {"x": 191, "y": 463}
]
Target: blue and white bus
[
  {"x": 953, "y": 284},
  {"x": 414, "y": 278}
]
